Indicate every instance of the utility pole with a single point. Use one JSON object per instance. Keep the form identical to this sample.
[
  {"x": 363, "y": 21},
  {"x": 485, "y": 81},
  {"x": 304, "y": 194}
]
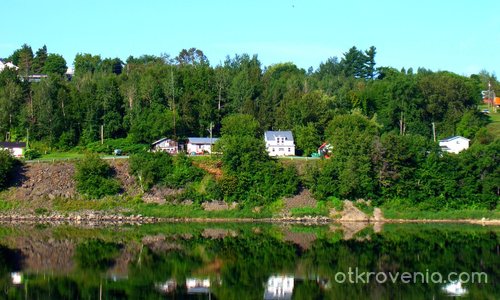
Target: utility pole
[
  {"x": 434, "y": 131},
  {"x": 102, "y": 134},
  {"x": 210, "y": 131}
]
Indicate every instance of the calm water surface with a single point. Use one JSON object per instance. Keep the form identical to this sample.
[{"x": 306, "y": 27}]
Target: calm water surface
[{"x": 249, "y": 261}]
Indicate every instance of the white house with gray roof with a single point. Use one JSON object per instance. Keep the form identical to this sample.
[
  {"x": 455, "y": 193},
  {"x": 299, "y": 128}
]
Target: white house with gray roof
[
  {"x": 279, "y": 143},
  {"x": 454, "y": 144},
  {"x": 200, "y": 145}
]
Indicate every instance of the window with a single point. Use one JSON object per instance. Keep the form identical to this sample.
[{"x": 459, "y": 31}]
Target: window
[
  {"x": 273, "y": 149},
  {"x": 281, "y": 149},
  {"x": 289, "y": 150}
]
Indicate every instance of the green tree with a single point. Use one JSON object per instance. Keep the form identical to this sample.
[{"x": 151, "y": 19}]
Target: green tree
[
  {"x": 250, "y": 176},
  {"x": 86, "y": 63},
  {"x": 39, "y": 60},
  {"x": 55, "y": 64},
  {"x": 94, "y": 177},
  {"x": 307, "y": 139},
  {"x": 349, "y": 173}
]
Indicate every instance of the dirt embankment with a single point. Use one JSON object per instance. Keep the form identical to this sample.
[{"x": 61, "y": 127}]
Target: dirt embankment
[{"x": 55, "y": 180}]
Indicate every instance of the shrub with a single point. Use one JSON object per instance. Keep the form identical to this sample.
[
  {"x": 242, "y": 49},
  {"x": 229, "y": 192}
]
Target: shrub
[
  {"x": 127, "y": 146},
  {"x": 8, "y": 165},
  {"x": 150, "y": 168},
  {"x": 160, "y": 168},
  {"x": 93, "y": 177},
  {"x": 96, "y": 255},
  {"x": 32, "y": 154},
  {"x": 183, "y": 172}
]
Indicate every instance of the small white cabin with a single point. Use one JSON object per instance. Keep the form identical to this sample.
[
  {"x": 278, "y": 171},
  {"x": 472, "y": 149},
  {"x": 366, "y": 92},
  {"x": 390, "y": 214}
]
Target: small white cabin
[
  {"x": 200, "y": 145},
  {"x": 454, "y": 144}
]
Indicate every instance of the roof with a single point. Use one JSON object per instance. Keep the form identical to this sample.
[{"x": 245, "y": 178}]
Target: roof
[
  {"x": 201, "y": 140},
  {"x": 452, "y": 138},
  {"x": 12, "y": 144},
  {"x": 159, "y": 141},
  {"x": 271, "y": 135}
]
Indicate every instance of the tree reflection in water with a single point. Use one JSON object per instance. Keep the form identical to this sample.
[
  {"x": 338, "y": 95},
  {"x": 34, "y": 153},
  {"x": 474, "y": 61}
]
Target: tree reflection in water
[{"x": 240, "y": 261}]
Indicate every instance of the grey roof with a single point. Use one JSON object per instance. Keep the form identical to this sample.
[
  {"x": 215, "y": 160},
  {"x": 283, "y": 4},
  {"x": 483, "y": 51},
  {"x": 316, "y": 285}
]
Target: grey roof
[
  {"x": 202, "y": 140},
  {"x": 451, "y": 138},
  {"x": 12, "y": 144},
  {"x": 271, "y": 135}
]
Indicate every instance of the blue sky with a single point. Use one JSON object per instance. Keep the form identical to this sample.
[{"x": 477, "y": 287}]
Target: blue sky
[{"x": 461, "y": 36}]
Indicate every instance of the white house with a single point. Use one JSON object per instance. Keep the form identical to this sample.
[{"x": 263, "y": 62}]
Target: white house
[
  {"x": 165, "y": 145},
  {"x": 15, "y": 148},
  {"x": 454, "y": 144},
  {"x": 200, "y": 145},
  {"x": 279, "y": 143},
  {"x": 279, "y": 287},
  {"x": 9, "y": 65}
]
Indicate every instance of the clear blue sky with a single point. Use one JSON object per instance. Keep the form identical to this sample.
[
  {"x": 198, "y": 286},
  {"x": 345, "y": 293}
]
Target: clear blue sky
[{"x": 461, "y": 36}]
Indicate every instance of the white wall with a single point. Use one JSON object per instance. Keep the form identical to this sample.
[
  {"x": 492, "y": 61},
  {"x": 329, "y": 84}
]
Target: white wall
[
  {"x": 281, "y": 150},
  {"x": 456, "y": 145},
  {"x": 198, "y": 148}
]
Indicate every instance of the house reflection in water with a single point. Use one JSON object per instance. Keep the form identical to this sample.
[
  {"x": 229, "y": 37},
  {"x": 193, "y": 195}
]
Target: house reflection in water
[
  {"x": 279, "y": 287},
  {"x": 198, "y": 286},
  {"x": 454, "y": 289},
  {"x": 168, "y": 286},
  {"x": 17, "y": 277}
]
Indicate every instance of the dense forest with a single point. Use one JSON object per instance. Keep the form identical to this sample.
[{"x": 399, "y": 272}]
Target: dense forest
[
  {"x": 379, "y": 120},
  {"x": 150, "y": 97}
]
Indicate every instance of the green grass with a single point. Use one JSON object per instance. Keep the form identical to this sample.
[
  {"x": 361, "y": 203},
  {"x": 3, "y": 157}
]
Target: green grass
[
  {"x": 134, "y": 206},
  {"x": 61, "y": 156},
  {"x": 321, "y": 209},
  {"x": 362, "y": 206},
  {"x": 414, "y": 214},
  {"x": 494, "y": 126}
]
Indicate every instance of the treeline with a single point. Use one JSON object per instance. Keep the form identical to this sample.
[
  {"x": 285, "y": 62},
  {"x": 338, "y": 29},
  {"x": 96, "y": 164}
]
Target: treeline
[
  {"x": 149, "y": 97},
  {"x": 404, "y": 171},
  {"x": 379, "y": 122}
]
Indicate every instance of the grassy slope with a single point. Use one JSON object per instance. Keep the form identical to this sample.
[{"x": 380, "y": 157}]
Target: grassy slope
[{"x": 494, "y": 126}]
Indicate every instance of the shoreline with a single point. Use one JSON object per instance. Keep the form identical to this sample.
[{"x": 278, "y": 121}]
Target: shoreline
[{"x": 104, "y": 219}]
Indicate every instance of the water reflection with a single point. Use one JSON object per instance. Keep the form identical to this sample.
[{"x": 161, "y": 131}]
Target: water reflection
[
  {"x": 279, "y": 287},
  {"x": 244, "y": 261}
]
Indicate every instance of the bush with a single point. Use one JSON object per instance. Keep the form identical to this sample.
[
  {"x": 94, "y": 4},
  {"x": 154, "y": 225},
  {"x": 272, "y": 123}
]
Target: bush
[
  {"x": 152, "y": 168},
  {"x": 183, "y": 172},
  {"x": 109, "y": 145},
  {"x": 93, "y": 177},
  {"x": 8, "y": 165},
  {"x": 96, "y": 255},
  {"x": 32, "y": 154}
]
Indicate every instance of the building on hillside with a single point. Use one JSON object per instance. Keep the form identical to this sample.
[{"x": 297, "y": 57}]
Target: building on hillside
[
  {"x": 200, "y": 145},
  {"x": 454, "y": 144},
  {"x": 69, "y": 74},
  {"x": 33, "y": 77},
  {"x": 279, "y": 143},
  {"x": 165, "y": 145},
  {"x": 8, "y": 65},
  {"x": 15, "y": 148}
]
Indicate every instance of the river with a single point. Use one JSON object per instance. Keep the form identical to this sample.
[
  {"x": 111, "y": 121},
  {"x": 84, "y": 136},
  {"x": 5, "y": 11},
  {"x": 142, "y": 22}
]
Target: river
[{"x": 249, "y": 261}]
